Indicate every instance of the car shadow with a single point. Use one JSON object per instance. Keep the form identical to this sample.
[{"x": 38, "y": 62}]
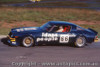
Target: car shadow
[
  {"x": 4, "y": 41},
  {"x": 65, "y": 45}
]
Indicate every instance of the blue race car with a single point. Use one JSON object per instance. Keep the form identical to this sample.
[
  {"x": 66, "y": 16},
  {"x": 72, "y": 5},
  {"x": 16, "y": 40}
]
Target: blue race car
[{"x": 53, "y": 32}]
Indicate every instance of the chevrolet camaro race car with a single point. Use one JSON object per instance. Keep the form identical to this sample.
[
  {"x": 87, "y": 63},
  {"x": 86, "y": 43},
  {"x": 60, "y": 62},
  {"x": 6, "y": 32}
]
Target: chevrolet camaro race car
[
  {"x": 34, "y": 0},
  {"x": 53, "y": 32}
]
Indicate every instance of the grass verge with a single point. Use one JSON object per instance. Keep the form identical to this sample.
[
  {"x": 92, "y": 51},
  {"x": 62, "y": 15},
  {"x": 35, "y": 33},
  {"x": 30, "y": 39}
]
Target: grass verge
[{"x": 43, "y": 15}]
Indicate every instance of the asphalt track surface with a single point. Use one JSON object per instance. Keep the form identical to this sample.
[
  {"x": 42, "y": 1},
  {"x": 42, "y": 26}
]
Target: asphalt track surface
[{"x": 54, "y": 55}]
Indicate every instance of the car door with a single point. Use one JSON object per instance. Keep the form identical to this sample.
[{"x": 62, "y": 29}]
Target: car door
[
  {"x": 47, "y": 37},
  {"x": 66, "y": 36}
]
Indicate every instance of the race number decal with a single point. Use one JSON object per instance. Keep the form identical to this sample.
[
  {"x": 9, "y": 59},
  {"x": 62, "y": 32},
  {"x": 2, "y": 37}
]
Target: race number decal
[{"x": 64, "y": 38}]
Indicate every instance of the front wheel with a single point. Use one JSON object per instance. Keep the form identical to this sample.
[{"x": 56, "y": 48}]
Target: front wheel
[
  {"x": 80, "y": 42},
  {"x": 28, "y": 41}
]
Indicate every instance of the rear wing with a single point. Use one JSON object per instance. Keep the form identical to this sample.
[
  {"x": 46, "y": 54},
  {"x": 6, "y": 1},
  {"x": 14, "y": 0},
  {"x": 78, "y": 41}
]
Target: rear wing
[{"x": 95, "y": 32}]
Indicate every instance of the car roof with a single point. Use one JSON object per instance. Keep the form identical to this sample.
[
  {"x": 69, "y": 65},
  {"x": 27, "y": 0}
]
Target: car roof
[{"x": 61, "y": 23}]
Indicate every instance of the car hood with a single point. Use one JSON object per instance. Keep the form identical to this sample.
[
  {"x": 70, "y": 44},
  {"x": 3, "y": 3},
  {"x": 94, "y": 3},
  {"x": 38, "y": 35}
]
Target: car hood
[{"x": 26, "y": 29}]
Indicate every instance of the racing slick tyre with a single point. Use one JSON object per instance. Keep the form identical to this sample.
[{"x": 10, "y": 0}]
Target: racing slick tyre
[
  {"x": 80, "y": 42},
  {"x": 28, "y": 41}
]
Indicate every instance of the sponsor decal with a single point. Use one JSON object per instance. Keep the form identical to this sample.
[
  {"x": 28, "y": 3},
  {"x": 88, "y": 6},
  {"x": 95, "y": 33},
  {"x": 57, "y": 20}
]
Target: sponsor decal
[
  {"x": 48, "y": 37},
  {"x": 62, "y": 38},
  {"x": 25, "y": 29}
]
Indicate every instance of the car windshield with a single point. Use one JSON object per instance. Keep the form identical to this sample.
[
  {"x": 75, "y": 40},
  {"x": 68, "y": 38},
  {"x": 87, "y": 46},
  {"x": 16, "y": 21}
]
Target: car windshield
[{"x": 45, "y": 26}]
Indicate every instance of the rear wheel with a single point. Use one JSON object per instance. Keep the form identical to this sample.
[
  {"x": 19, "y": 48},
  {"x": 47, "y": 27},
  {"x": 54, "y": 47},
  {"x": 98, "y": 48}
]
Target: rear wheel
[
  {"x": 28, "y": 41},
  {"x": 80, "y": 42}
]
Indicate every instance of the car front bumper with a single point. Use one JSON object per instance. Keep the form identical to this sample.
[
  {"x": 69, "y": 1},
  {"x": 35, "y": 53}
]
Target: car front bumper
[
  {"x": 96, "y": 39},
  {"x": 12, "y": 41}
]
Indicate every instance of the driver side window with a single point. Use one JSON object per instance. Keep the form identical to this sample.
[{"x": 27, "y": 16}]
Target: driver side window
[{"x": 60, "y": 28}]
